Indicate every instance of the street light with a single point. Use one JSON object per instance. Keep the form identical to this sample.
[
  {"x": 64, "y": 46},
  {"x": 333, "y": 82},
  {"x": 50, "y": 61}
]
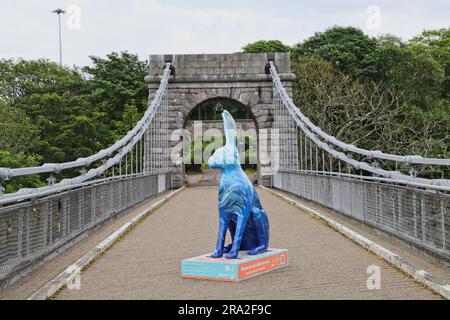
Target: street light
[{"x": 59, "y": 12}]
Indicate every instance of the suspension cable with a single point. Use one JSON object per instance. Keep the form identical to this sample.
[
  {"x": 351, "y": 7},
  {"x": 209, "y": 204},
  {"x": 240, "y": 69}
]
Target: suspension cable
[
  {"x": 344, "y": 146},
  {"x": 297, "y": 116}
]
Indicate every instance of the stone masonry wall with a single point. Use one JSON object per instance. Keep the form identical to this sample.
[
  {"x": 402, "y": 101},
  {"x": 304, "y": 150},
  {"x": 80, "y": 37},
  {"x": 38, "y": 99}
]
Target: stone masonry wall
[{"x": 237, "y": 76}]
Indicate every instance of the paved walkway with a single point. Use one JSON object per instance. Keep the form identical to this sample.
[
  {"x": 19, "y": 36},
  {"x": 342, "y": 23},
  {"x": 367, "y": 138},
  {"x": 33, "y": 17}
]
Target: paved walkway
[
  {"x": 323, "y": 264},
  {"x": 209, "y": 177}
]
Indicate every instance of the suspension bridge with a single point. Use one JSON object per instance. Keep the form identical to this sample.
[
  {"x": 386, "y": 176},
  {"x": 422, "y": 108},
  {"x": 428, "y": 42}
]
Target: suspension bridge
[{"x": 339, "y": 209}]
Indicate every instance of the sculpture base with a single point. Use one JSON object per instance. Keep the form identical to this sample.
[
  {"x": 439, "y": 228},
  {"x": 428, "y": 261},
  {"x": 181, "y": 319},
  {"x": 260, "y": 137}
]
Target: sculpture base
[{"x": 206, "y": 268}]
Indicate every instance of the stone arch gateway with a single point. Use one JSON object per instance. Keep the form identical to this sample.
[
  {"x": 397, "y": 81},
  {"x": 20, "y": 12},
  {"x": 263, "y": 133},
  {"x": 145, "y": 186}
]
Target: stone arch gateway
[{"x": 240, "y": 76}]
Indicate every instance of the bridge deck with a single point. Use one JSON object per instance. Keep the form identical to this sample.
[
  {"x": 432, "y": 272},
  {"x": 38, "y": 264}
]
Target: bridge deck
[{"x": 324, "y": 265}]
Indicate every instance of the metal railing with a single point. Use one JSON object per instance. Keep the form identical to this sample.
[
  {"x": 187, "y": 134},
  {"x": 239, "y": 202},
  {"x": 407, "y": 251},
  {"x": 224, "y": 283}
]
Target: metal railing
[
  {"x": 418, "y": 216},
  {"x": 32, "y": 230}
]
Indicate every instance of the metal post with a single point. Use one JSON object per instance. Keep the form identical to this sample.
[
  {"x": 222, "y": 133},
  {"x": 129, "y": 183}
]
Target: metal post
[
  {"x": 443, "y": 224},
  {"x": 59, "y": 12},
  {"x": 423, "y": 221},
  {"x": 301, "y": 150},
  {"x": 415, "y": 215},
  {"x": 60, "y": 40}
]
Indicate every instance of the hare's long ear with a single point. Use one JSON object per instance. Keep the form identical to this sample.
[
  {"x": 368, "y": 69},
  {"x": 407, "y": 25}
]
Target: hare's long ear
[{"x": 229, "y": 126}]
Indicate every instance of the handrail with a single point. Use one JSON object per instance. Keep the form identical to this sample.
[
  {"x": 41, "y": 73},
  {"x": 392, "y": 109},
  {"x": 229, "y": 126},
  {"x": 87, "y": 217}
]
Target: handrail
[{"x": 369, "y": 178}]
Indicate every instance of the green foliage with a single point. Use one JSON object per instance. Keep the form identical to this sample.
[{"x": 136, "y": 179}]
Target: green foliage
[
  {"x": 409, "y": 68},
  {"x": 23, "y": 78},
  {"x": 116, "y": 81},
  {"x": 17, "y": 133},
  {"x": 19, "y": 160},
  {"x": 344, "y": 47},
  {"x": 129, "y": 119},
  {"x": 437, "y": 44},
  {"x": 56, "y": 105},
  {"x": 266, "y": 46}
]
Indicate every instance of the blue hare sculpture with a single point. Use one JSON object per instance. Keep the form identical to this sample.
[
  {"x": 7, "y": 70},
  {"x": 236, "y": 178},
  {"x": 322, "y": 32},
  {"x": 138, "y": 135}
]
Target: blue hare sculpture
[{"x": 240, "y": 209}]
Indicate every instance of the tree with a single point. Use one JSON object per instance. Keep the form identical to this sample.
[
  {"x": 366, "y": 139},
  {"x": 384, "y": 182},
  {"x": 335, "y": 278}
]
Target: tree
[
  {"x": 390, "y": 50},
  {"x": 116, "y": 81},
  {"x": 266, "y": 46},
  {"x": 51, "y": 101},
  {"x": 20, "y": 160},
  {"x": 344, "y": 47},
  {"x": 410, "y": 68},
  {"x": 437, "y": 44},
  {"x": 390, "y": 40},
  {"x": 22, "y": 78},
  {"x": 353, "y": 110},
  {"x": 17, "y": 133},
  {"x": 129, "y": 119}
]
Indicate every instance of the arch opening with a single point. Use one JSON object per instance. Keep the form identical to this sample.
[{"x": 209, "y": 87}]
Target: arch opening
[{"x": 204, "y": 129}]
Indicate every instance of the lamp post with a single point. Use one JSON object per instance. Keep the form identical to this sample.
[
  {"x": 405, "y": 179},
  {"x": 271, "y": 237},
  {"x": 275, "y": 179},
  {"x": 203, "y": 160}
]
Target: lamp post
[{"x": 59, "y": 12}]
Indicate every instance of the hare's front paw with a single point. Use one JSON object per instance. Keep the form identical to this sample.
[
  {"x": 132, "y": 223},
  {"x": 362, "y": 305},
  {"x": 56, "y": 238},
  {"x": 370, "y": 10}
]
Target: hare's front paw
[
  {"x": 258, "y": 250},
  {"x": 217, "y": 254},
  {"x": 232, "y": 255}
]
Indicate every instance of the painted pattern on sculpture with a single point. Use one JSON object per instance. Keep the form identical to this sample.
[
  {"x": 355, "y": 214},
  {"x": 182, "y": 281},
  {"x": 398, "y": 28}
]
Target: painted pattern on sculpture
[{"x": 240, "y": 209}]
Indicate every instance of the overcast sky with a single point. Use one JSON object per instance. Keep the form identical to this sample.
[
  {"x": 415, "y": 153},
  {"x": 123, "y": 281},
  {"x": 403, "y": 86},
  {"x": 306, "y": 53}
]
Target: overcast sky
[{"x": 28, "y": 29}]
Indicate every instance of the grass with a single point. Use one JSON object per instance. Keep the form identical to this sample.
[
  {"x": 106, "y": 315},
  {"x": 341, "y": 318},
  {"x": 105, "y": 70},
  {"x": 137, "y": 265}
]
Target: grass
[{"x": 250, "y": 171}]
